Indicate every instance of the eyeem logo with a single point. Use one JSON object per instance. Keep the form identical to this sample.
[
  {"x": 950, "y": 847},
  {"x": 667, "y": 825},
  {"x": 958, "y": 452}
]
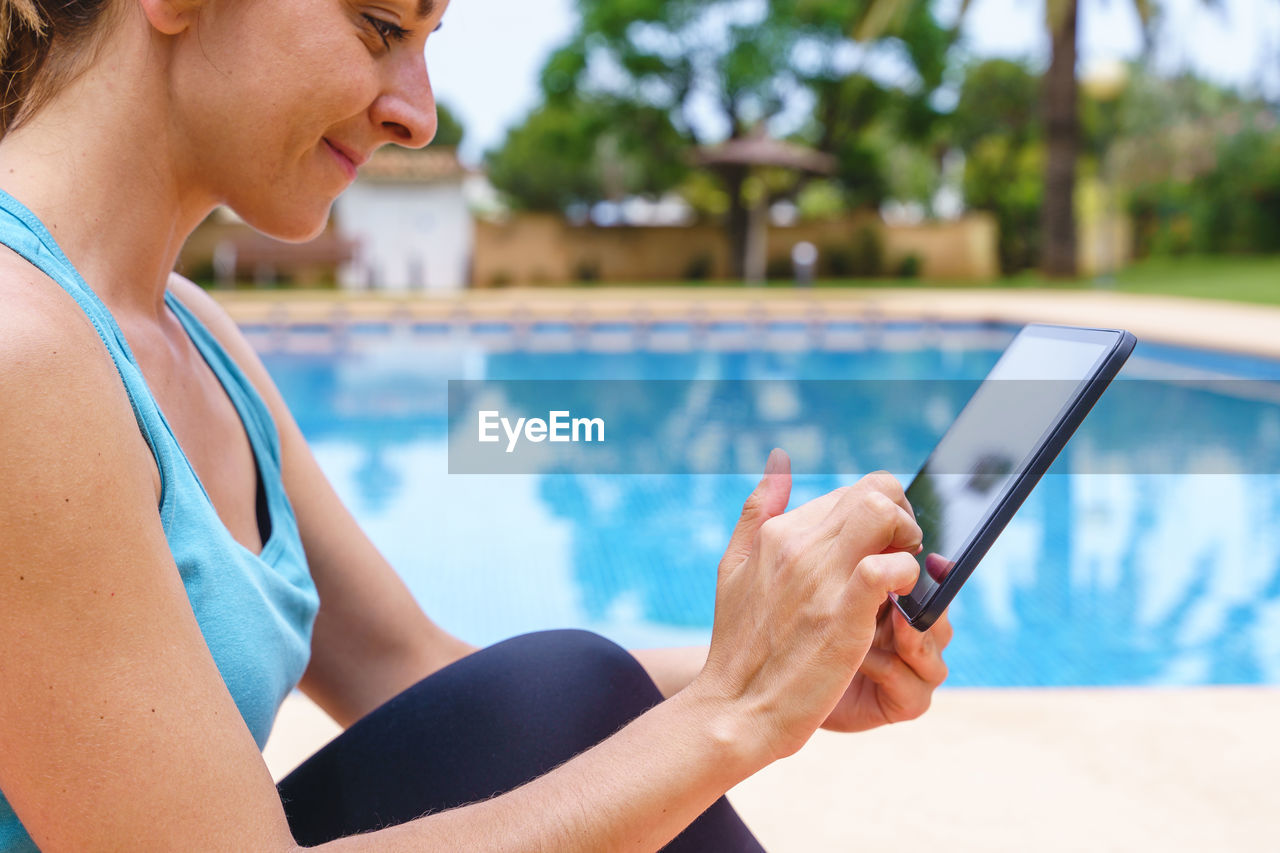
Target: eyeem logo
[{"x": 558, "y": 427}]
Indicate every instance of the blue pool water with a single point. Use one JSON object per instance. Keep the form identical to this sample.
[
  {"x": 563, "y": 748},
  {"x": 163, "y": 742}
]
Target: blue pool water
[{"x": 1150, "y": 555}]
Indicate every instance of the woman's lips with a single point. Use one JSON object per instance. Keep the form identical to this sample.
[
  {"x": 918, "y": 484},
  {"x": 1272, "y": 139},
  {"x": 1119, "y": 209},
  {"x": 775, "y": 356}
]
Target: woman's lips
[{"x": 345, "y": 161}]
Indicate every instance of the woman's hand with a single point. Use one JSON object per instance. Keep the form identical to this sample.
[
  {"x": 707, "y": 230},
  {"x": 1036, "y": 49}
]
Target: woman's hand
[
  {"x": 797, "y": 603},
  {"x": 897, "y": 677}
]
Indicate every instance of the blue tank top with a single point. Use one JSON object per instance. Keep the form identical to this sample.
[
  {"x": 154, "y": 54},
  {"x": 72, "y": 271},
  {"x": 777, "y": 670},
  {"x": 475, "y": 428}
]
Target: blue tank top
[{"x": 255, "y": 610}]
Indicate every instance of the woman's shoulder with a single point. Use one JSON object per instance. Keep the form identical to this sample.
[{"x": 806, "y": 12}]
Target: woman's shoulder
[
  {"x": 48, "y": 345},
  {"x": 62, "y": 402},
  {"x": 34, "y": 300}
]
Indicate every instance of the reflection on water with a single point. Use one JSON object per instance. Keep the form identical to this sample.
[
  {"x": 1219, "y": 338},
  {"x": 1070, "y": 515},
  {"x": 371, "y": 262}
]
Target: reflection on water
[{"x": 1117, "y": 574}]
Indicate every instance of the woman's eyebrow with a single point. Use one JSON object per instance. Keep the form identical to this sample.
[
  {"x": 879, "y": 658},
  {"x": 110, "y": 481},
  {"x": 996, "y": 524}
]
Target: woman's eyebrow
[{"x": 425, "y": 9}]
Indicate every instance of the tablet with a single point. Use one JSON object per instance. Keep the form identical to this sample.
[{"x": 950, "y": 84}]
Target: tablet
[{"x": 998, "y": 448}]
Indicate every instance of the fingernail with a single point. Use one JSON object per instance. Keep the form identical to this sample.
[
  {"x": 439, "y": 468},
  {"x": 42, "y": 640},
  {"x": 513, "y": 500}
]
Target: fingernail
[{"x": 774, "y": 462}]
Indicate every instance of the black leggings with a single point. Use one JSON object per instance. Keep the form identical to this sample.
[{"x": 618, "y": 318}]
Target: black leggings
[{"x": 479, "y": 727}]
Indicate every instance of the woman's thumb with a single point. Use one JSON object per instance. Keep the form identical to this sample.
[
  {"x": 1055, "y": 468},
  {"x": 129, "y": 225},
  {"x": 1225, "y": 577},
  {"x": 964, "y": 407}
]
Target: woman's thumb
[{"x": 769, "y": 499}]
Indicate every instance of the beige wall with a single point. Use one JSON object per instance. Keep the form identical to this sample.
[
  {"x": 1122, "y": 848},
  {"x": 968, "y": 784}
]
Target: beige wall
[
  {"x": 544, "y": 249},
  {"x": 964, "y": 250},
  {"x": 294, "y": 264}
]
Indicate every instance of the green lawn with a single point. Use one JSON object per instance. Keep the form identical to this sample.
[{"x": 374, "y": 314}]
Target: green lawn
[{"x": 1240, "y": 279}]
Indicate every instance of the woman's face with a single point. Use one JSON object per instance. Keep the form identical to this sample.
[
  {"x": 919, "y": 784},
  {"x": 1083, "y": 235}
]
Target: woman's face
[{"x": 266, "y": 93}]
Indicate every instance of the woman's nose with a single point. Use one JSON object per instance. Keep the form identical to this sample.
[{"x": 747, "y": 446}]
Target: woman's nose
[{"x": 406, "y": 110}]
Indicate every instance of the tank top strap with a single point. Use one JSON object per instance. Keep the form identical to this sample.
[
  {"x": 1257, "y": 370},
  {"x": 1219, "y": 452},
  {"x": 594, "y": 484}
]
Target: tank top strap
[
  {"x": 259, "y": 426},
  {"x": 244, "y": 396},
  {"x": 21, "y": 231},
  {"x": 25, "y": 234}
]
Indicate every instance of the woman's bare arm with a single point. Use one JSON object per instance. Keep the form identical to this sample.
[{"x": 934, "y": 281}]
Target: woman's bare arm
[{"x": 116, "y": 731}]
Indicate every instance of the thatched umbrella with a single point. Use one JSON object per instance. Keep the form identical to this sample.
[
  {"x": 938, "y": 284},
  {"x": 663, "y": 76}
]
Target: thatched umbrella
[{"x": 735, "y": 160}]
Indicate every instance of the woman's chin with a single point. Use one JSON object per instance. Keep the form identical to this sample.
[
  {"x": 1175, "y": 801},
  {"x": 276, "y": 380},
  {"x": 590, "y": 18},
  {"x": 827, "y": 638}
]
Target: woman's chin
[{"x": 290, "y": 225}]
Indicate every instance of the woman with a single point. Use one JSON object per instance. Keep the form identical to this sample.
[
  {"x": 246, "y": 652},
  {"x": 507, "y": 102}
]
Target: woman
[{"x": 174, "y": 560}]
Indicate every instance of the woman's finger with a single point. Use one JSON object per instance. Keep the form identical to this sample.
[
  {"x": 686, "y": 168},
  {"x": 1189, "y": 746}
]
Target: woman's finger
[
  {"x": 873, "y": 578},
  {"x": 814, "y": 511},
  {"x": 919, "y": 650},
  {"x": 870, "y": 522},
  {"x": 890, "y": 486},
  {"x": 942, "y": 630},
  {"x": 884, "y": 626},
  {"x": 903, "y": 695},
  {"x": 769, "y": 499}
]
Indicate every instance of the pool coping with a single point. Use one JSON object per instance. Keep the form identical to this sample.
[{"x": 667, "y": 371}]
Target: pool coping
[{"x": 1230, "y": 327}]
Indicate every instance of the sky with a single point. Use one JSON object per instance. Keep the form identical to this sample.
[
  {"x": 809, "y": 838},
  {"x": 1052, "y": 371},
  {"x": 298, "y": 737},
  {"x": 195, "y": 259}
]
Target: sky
[{"x": 486, "y": 59}]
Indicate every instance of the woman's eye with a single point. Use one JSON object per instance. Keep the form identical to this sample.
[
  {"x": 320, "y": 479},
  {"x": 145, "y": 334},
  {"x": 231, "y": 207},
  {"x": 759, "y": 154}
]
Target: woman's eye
[{"x": 386, "y": 30}]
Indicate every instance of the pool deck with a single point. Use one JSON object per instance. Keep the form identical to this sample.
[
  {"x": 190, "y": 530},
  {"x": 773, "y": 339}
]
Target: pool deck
[
  {"x": 987, "y": 770},
  {"x": 1008, "y": 769}
]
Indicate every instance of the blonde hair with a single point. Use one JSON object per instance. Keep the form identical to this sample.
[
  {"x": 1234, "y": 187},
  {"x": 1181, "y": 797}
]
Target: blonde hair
[{"x": 31, "y": 70}]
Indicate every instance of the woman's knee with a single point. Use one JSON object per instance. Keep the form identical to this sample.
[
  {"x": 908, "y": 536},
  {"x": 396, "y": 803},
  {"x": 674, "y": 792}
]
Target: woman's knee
[
  {"x": 584, "y": 657},
  {"x": 482, "y": 726},
  {"x": 580, "y": 676}
]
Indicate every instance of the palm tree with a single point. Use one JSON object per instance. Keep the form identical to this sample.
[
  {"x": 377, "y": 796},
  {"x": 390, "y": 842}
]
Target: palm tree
[
  {"x": 1059, "y": 99},
  {"x": 1059, "y": 102}
]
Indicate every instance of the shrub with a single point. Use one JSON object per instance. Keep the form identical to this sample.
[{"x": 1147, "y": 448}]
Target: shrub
[
  {"x": 909, "y": 266},
  {"x": 867, "y": 253},
  {"x": 779, "y": 269},
  {"x": 1233, "y": 207},
  {"x": 587, "y": 271},
  {"x": 836, "y": 261},
  {"x": 700, "y": 267}
]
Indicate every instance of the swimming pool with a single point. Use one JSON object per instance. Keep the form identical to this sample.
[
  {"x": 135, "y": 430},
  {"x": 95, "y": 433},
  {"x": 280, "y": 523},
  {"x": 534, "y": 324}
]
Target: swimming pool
[{"x": 1150, "y": 556}]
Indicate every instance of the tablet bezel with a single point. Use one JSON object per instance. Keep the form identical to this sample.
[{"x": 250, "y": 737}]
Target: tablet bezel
[{"x": 922, "y": 614}]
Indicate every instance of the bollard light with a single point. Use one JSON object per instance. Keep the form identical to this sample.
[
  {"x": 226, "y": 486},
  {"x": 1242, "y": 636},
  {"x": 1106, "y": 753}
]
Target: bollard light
[{"x": 804, "y": 258}]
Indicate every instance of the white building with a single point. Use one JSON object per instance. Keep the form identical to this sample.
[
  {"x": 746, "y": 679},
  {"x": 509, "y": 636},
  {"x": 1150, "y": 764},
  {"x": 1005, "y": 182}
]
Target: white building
[{"x": 409, "y": 219}]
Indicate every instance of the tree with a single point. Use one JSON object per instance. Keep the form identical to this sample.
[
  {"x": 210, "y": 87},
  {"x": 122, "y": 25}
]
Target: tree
[
  {"x": 1059, "y": 113},
  {"x": 1199, "y": 164},
  {"x": 1061, "y": 124},
  {"x": 996, "y": 123},
  {"x": 678, "y": 75},
  {"x": 449, "y": 131},
  {"x": 573, "y": 151},
  {"x": 1062, "y": 128}
]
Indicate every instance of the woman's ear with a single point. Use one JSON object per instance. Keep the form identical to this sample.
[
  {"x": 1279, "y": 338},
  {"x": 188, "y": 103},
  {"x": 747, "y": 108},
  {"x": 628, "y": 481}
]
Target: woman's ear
[{"x": 171, "y": 16}]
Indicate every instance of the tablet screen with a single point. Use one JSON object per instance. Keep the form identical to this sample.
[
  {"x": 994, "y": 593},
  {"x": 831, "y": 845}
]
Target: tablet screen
[{"x": 993, "y": 439}]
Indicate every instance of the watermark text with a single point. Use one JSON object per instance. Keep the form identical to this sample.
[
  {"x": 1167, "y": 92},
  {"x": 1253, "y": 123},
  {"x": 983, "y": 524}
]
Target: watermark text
[{"x": 558, "y": 426}]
